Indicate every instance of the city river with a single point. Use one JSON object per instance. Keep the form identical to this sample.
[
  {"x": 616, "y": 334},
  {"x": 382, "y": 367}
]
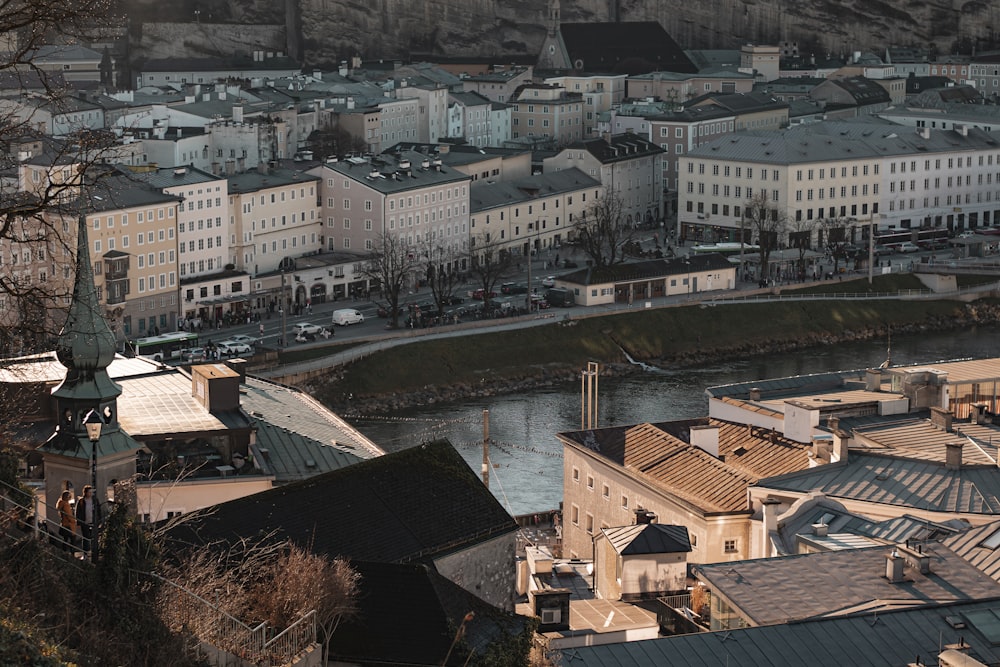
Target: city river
[{"x": 527, "y": 457}]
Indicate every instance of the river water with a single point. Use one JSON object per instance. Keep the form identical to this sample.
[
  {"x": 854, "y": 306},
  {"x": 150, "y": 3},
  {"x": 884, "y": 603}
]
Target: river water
[{"x": 527, "y": 458}]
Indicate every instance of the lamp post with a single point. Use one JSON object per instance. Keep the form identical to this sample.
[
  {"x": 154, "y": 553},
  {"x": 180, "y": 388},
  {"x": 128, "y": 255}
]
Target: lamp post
[
  {"x": 94, "y": 423},
  {"x": 871, "y": 245}
]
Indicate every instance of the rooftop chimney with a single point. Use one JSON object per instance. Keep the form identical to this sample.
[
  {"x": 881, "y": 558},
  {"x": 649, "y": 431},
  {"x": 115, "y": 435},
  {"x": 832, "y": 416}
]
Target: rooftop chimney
[
  {"x": 873, "y": 379},
  {"x": 953, "y": 455},
  {"x": 755, "y": 394},
  {"x": 770, "y": 509},
  {"x": 706, "y": 438},
  {"x": 216, "y": 387},
  {"x": 941, "y": 418},
  {"x": 820, "y": 529},
  {"x": 894, "y": 567}
]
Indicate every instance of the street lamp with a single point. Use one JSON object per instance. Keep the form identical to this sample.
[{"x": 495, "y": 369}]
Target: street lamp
[{"x": 94, "y": 422}]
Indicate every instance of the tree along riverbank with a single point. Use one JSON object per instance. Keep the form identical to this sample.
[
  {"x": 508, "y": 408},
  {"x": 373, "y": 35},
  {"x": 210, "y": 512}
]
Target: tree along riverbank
[{"x": 485, "y": 364}]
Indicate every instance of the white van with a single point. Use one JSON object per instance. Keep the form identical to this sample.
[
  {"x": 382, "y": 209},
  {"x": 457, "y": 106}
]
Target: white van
[{"x": 347, "y": 316}]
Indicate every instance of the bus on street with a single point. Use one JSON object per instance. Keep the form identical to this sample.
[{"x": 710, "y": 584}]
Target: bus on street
[{"x": 162, "y": 347}]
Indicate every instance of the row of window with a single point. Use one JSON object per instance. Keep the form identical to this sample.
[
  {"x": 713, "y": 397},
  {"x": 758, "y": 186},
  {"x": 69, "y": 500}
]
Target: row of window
[{"x": 140, "y": 216}]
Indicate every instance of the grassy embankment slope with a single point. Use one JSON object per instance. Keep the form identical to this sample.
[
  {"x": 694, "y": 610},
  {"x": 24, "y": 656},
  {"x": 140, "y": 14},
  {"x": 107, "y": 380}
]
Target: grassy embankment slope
[{"x": 684, "y": 334}]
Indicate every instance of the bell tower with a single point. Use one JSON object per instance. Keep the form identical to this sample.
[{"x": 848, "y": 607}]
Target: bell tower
[{"x": 86, "y": 347}]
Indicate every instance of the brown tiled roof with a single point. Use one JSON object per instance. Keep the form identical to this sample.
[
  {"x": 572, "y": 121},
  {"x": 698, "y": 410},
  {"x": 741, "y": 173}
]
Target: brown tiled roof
[
  {"x": 662, "y": 453},
  {"x": 760, "y": 451}
]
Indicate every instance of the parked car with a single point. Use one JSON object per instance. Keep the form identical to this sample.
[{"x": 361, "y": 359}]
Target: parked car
[
  {"x": 243, "y": 338},
  {"x": 193, "y": 354},
  {"x": 881, "y": 250},
  {"x": 347, "y": 316},
  {"x": 908, "y": 246},
  {"x": 306, "y": 328},
  {"x": 478, "y": 294},
  {"x": 230, "y": 348},
  {"x": 933, "y": 244},
  {"x": 549, "y": 281},
  {"x": 452, "y": 300}
]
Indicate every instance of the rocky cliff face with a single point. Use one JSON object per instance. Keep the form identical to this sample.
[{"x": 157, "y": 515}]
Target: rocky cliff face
[{"x": 326, "y": 31}]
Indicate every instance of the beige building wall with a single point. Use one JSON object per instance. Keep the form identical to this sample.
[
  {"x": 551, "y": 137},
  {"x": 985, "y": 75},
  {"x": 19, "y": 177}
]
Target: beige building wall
[
  {"x": 539, "y": 223},
  {"x": 156, "y": 500},
  {"x": 148, "y": 234},
  {"x": 598, "y": 494},
  {"x": 284, "y": 222},
  {"x": 548, "y": 111},
  {"x": 714, "y": 192}
]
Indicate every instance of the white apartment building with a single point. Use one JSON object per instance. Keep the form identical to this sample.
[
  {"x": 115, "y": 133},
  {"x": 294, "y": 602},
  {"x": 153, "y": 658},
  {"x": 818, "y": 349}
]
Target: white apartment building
[
  {"x": 600, "y": 92},
  {"x": 274, "y": 216},
  {"x": 627, "y": 165},
  {"x": 837, "y": 178},
  {"x": 407, "y": 195},
  {"x": 432, "y": 109},
  {"x": 399, "y": 120},
  {"x": 469, "y": 118}
]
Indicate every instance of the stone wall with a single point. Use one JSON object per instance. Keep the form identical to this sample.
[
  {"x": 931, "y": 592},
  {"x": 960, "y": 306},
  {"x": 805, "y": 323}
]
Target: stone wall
[{"x": 486, "y": 570}]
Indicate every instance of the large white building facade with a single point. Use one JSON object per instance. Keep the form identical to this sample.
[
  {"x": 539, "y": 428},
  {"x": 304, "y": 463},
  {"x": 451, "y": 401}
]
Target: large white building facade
[{"x": 842, "y": 176}]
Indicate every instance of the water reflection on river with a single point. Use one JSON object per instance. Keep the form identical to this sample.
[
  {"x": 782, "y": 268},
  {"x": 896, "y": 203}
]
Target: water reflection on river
[{"x": 527, "y": 476}]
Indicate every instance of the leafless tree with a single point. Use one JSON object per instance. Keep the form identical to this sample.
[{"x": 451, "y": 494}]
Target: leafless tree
[
  {"x": 835, "y": 230},
  {"x": 603, "y": 234},
  {"x": 442, "y": 271},
  {"x": 489, "y": 262},
  {"x": 257, "y": 580},
  {"x": 767, "y": 224},
  {"x": 800, "y": 237},
  {"x": 391, "y": 266},
  {"x": 334, "y": 139},
  {"x": 299, "y": 581}
]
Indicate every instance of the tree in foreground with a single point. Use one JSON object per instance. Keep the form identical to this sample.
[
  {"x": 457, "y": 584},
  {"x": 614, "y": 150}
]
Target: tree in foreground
[
  {"x": 603, "y": 234},
  {"x": 442, "y": 273},
  {"x": 391, "y": 265},
  {"x": 489, "y": 261},
  {"x": 767, "y": 223}
]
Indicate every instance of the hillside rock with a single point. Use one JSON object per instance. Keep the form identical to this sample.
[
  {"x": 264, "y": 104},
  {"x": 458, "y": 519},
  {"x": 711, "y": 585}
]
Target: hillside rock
[{"x": 324, "y": 32}]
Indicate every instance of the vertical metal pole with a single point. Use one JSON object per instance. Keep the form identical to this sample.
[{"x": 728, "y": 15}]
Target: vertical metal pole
[
  {"x": 871, "y": 247},
  {"x": 93, "y": 498},
  {"x": 583, "y": 401},
  {"x": 284, "y": 312},
  {"x": 486, "y": 448}
]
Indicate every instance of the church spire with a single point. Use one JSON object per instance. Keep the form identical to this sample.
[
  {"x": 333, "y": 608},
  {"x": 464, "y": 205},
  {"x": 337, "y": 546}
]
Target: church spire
[{"x": 86, "y": 344}]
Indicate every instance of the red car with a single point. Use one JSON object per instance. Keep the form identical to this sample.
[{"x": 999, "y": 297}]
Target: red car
[{"x": 478, "y": 294}]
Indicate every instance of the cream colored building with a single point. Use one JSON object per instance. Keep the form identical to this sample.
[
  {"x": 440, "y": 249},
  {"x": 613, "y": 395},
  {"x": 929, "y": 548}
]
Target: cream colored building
[
  {"x": 550, "y": 111},
  {"x": 836, "y": 178},
  {"x": 531, "y": 214},
  {"x": 601, "y": 92},
  {"x": 627, "y": 165}
]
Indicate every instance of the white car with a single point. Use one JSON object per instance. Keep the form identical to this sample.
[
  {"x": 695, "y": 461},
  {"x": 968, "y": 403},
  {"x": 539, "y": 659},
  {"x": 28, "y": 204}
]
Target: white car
[
  {"x": 243, "y": 338},
  {"x": 347, "y": 316},
  {"x": 549, "y": 281},
  {"x": 908, "y": 246},
  {"x": 306, "y": 328},
  {"x": 233, "y": 348}
]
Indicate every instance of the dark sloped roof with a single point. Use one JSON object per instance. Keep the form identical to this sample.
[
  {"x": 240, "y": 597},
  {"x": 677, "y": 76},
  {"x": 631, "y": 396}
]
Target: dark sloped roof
[
  {"x": 980, "y": 546},
  {"x": 653, "y": 268},
  {"x": 827, "y": 583},
  {"x": 890, "y": 638},
  {"x": 652, "y": 538},
  {"x": 424, "y": 610},
  {"x": 904, "y": 483},
  {"x": 417, "y": 503},
  {"x": 631, "y": 47}
]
